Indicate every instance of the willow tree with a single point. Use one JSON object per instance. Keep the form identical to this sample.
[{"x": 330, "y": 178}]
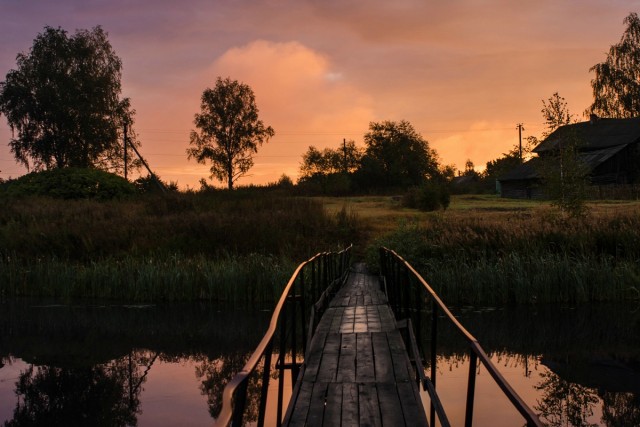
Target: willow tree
[
  {"x": 616, "y": 86},
  {"x": 229, "y": 130},
  {"x": 63, "y": 102}
]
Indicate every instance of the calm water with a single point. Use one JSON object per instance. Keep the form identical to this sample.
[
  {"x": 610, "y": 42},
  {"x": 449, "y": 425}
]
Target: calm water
[{"x": 167, "y": 365}]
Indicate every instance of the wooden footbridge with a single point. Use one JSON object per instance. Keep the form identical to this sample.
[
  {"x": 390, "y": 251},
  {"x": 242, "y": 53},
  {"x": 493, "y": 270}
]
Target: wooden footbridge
[{"x": 352, "y": 362}]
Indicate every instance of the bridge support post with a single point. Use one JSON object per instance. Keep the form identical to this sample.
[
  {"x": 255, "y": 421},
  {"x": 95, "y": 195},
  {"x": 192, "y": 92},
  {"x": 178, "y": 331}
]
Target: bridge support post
[
  {"x": 434, "y": 354},
  {"x": 471, "y": 387}
]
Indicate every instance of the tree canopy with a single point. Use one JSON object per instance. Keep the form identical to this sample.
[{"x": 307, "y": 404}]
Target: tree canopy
[
  {"x": 229, "y": 130},
  {"x": 63, "y": 102},
  {"x": 329, "y": 161},
  {"x": 397, "y": 155},
  {"x": 616, "y": 86},
  {"x": 555, "y": 113}
]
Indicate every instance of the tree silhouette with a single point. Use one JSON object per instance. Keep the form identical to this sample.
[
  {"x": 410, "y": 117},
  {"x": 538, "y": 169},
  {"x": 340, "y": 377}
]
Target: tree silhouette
[
  {"x": 620, "y": 409},
  {"x": 555, "y": 113},
  {"x": 564, "y": 403},
  {"x": 63, "y": 100},
  {"x": 616, "y": 86},
  {"x": 397, "y": 155},
  {"x": 229, "y": 130},
  {"x": 330, "y": 161},
  {"x": 99, "y": 395},
  {"x": 215, "y": 374}
]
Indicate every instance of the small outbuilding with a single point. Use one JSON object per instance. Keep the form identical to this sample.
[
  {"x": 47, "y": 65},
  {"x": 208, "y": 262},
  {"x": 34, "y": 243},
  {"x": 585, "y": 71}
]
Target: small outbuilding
[{"x": 609, "y": 148}]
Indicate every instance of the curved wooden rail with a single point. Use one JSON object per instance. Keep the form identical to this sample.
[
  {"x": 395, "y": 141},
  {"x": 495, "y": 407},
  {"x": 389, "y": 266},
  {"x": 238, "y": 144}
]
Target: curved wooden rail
[
  {"x": 331, "y": 266},
  {"x": 397, "y": 270}
]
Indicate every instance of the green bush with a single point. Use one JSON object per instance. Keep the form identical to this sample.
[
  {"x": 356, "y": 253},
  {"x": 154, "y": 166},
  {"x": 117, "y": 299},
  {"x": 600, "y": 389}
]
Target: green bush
[
  {"x": 69, "y": 183},
  {"x": 430, "y": 196}
]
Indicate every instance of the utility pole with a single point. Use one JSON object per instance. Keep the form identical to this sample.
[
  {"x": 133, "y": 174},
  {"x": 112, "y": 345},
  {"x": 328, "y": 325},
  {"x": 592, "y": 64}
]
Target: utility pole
[
  {"x": 126, "y": 126},
  {"x": 520, "y": 129},
  {"x": 344, "y": 149}
]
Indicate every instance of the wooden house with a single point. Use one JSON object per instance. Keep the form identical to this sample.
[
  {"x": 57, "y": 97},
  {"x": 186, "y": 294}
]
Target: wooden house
[{"x": 610, "y": 149}]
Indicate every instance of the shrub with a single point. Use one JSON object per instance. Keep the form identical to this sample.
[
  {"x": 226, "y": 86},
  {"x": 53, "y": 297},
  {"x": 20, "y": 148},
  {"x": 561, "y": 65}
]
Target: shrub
[
  {"x": 149, "y": 184},
  {"x": 69, "y": 183},
  {"x": 430, "y": 196}
]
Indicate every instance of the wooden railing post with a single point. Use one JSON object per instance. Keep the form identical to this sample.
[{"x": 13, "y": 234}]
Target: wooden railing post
[
  {"x": 471, "y": 387},
  {"x": 266, "y": 377},
  {"x": 434, "y": 352},
  {"x": 303, "y": 316},
  {"x": 400, "y": 300},
  {"x": 239, "y": 402}
]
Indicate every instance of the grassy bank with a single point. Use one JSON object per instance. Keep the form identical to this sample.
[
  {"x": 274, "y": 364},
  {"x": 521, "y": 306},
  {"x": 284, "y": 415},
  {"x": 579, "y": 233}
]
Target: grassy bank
[
  {"x": 234, "y": 247},
  {"x": 241, "y": 281},
  {"x": 241, "y": 247},
  {"x": 489, "y": 254}
]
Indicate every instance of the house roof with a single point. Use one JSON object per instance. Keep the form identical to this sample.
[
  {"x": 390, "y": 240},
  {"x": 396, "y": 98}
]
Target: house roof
[
  {"x": 592, "y": 158},
  {"x": 599, "y": 134},
  {"x": 527, "y": 170}
]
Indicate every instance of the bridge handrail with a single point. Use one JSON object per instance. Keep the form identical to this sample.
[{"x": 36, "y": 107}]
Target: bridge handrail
[
  {"x": 530, "y": 416},
  {"x": 239, "y": 381}
]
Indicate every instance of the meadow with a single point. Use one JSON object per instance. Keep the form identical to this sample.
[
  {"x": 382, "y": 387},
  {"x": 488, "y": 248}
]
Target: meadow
[
  {"x": 242, "y": 247},
  {"x": 485, "y": 250}
]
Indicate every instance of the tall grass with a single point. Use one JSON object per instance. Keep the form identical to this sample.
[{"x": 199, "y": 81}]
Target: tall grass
[
  {"x": 222, "y": 246},
  {"x": 526, "y": 257},
  {"x": 188, "y": 224},
  {"x": 251, "y": 280}
]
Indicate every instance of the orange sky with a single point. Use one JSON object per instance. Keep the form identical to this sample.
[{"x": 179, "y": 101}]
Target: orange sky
[{"x": 463, "y": 73}]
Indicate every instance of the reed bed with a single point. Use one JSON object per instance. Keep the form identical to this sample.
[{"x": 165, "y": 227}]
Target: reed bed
[
  {"x": 186, "y": 224},
  {"x": 523, "y": 257},
  {"x": 237, "y": 248},
  {"x": 241, "y": 281}
]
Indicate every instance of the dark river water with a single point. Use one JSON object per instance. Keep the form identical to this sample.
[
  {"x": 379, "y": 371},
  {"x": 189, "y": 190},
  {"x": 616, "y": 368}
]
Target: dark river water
[{"x": 155, "y": 365}]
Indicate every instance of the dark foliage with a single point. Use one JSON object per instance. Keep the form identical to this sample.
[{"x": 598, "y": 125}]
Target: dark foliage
[
  {"x": 63, "y": 101},
  {"x": 430, "y": 196},
  {"x": 69, "y": 183}
]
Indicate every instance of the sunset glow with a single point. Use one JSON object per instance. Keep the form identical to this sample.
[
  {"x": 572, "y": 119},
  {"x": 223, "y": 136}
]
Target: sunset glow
[{"x": 463, "y": 73}]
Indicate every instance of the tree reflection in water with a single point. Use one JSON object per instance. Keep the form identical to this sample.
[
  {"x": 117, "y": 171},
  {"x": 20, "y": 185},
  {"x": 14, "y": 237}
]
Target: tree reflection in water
[
  {"x": 214, "y": 376},
  {"x": 563, "y": 403},
  {"x": 100, "y": 395},
  {"x": 620, "y": 409}
]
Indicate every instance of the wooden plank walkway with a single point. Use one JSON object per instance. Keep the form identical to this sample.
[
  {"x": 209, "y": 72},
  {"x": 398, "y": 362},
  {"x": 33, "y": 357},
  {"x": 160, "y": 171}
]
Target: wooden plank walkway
[{"x": 357, "y": 370}]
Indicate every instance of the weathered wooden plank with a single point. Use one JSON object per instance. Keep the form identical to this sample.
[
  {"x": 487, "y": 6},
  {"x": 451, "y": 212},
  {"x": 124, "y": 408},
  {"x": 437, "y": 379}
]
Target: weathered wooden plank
[
  {"x": 302, "y": 403},
  {"x": 369, "y": 405},
  {"x": 382, "y": 358},
  {"x": 368, "y": 299},
  {"x": 336, "y": 320},
  {"x": 333, "y": 409},
  {"x": 349, "y": 404},
  {"x": 329, "y": 363},
  {"x": 347, "y": 320},
  {"x": 353, "y": 365},
  {"x": 317, "y": 404},
  {"x": 314, "y": 356},
  {"x": 399, "y": 358},
  {"x": 412, "y": 408},
  {"x": 390, "y": 407},
  {"x": 373, "y": 319},
  {"x": 347, "y": 361},
  {"x": 365, "y": 371},
  {"x": 387, "y": 319},
  {"x": 324, "y": 325},
  {"x": 360, "y": 323}
]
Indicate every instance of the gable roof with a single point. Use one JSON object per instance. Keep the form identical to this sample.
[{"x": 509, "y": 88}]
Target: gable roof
[
  {"x": 524, "y": 171},
  {"x": 591, "y": 159},
  {"x": 599, "y": 134}
]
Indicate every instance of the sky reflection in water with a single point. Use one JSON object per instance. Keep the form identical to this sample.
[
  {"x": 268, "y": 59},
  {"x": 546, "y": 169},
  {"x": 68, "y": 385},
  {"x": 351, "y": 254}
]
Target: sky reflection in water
[{"x": 168, "y": 365}]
